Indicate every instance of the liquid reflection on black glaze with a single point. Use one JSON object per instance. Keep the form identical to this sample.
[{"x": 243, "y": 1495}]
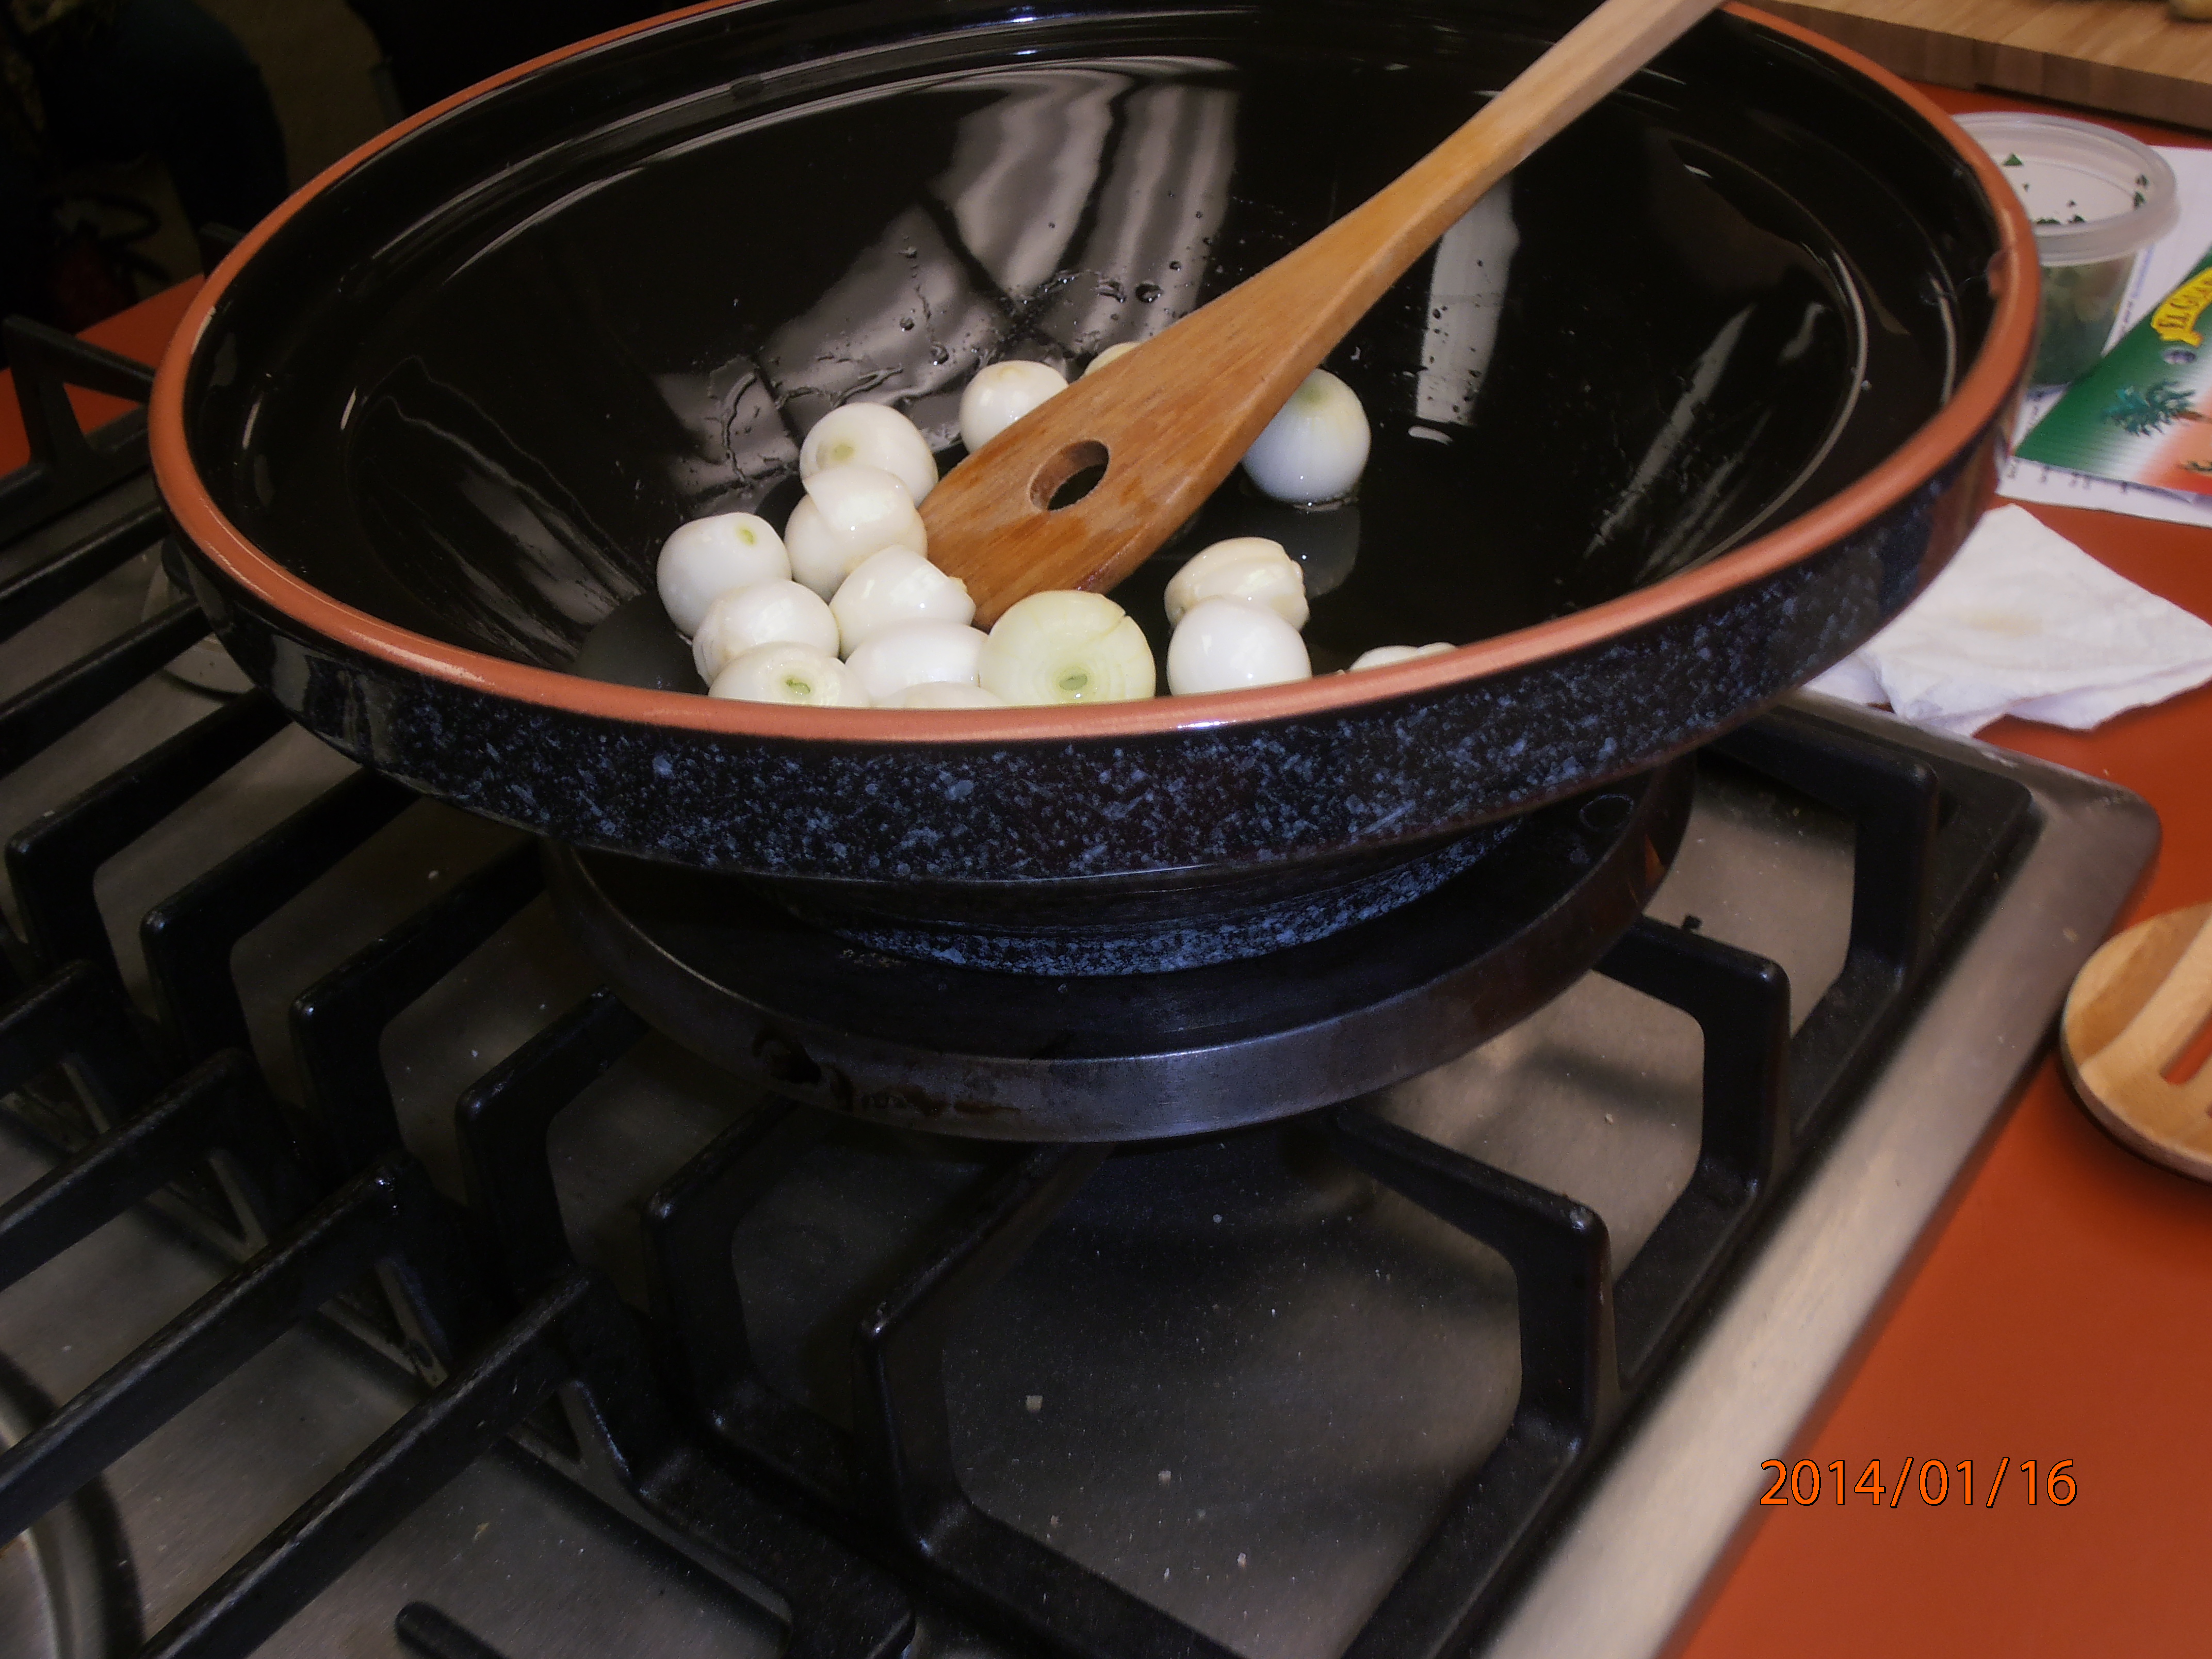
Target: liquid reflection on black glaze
[
  {"x": 1650, "y": 348},
  {"x": 635, "y": 645},
  {"x": 524, "y": 563},
  {"x": 1059, "y": 183}
]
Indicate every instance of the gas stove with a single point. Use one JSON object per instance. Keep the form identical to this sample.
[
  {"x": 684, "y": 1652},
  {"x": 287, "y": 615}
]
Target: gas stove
[{"x": 379, "y": 1278}]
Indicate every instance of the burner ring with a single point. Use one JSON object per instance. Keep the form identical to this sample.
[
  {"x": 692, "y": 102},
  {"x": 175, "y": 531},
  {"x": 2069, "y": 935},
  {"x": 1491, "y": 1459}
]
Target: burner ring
[{"x": 920, "y": 1044}]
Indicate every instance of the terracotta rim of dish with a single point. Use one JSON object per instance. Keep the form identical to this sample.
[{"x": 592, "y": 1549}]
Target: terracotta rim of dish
[{"x": 1979, "y": 399}]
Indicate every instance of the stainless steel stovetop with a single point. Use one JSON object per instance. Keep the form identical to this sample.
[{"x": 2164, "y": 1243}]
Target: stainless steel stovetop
[{"x": 1234, "y": 1376}]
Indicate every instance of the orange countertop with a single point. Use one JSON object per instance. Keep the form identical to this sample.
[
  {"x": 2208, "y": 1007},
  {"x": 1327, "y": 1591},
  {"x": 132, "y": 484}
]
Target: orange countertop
[
  {"x": 140, "y": 332},
  {"x": 2061, "y": 1309}
]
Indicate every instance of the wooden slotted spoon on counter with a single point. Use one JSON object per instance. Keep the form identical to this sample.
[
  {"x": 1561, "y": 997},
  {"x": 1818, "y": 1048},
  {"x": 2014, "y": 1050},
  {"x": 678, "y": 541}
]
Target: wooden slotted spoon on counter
[
  {"x": 2135, "y": 1008},
  {"x": 1169, "y": 421}
]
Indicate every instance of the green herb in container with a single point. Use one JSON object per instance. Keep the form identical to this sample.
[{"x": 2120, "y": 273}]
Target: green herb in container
[{"x": 2098, "y": 199}]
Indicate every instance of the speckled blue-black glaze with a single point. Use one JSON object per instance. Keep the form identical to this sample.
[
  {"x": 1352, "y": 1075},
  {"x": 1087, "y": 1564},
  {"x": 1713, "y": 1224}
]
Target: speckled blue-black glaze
[
  {"x": 1401, "y": 771},
  {"x": 1169, "y": 945}
]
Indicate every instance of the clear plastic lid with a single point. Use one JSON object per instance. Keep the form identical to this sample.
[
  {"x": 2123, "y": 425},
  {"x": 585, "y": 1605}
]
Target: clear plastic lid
[{"x": 2094, "y": 194}]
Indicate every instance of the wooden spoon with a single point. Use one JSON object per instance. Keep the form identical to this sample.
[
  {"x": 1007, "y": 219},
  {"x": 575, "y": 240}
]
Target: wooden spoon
[
  {"x": 1169, "y": 421},
  {"x": 2135, "y": 1007}
]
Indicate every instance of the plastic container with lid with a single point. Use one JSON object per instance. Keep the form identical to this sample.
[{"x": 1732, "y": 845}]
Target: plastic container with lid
[{"x": 2098, "y": 199}]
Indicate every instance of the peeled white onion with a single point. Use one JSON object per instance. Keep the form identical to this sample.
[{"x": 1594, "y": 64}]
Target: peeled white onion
[
  {"x": 1316, "y": 447},
  {"x": 1067, "y": 647},
  {"x": 870, "y": 435},
  {"x": 1248, "y": 567},
  {"x": 913, "y": 654},
  {"x": 944, "y": 693},
  {"x": 849, "y": 513},
  {"x": 1121, "y": 350},
  {"x": 708, "y": 557},
  {"x": 1001, "y": 394},
  {"x": 893, "y": 586},
  {"x": 762, "y": 614},
  {"x": 1227, "y": 645},
  {"x": 1384, "y": 655},
  {"x": 787, "y": 671}
]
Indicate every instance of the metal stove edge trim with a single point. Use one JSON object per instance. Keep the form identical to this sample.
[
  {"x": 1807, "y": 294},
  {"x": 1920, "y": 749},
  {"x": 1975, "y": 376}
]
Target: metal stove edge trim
[{"x": 1628, "y": 1568}]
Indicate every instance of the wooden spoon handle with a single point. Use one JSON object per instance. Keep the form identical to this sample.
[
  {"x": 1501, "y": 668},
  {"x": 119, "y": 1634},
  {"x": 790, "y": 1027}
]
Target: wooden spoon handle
[
  {"x": 1353, "y": 262},
  {"x": 1171, "y": 421}
]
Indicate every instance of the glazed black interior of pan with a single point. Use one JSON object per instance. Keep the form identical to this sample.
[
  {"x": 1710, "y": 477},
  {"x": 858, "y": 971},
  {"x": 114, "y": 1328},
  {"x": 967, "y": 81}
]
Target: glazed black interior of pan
[{"x": 471, "y": 386}]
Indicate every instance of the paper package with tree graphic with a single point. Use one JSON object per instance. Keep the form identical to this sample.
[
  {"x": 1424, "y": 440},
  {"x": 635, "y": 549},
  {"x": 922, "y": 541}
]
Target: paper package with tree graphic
[{"x": 2144, "y": 414}]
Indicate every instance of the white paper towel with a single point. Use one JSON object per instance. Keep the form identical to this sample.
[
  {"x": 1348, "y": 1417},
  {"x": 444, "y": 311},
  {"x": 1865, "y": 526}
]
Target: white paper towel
[{"x": 2022, "y": 621}]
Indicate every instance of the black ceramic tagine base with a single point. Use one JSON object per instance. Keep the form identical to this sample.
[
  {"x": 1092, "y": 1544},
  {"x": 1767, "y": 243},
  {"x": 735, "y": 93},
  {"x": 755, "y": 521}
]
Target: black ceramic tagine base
[
  {"x": 1079, "y": 930},
  {"x": 738, "y": 979},
  {"x": 1666, "y": 428}
]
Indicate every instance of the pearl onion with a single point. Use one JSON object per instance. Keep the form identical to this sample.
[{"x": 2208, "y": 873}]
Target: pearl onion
[
  {"x": 1226, "y": 644},
  {"x": 916, "y": 653},
  {"x": 870, "y": 435},
  {"x": 787, "y": 671},
  {"x": 944, "y": 694},
  {"x": 708, "y": 557},
  {"x": 1067, "y": 647},
  {"x": 1122, "y": 349},
  {"x": 1384, "y": 655},
  {"x": 849, "y": 513},
  {"x": 1001, "y": 394},
  {"x": 1315, "y": 447},
  {"x": 1247, "y": 567},
  {"x": 893, "y": 586},
  {"x": 761, "y": 615}
]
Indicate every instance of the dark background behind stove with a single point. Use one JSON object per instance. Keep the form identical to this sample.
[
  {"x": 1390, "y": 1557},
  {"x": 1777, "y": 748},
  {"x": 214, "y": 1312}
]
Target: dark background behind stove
[{"x": 337, "y": 83}]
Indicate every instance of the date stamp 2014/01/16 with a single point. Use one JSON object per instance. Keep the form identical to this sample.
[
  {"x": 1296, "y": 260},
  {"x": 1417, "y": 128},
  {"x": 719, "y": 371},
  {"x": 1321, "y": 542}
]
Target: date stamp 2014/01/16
[{"x": 1805, "y": 1482}]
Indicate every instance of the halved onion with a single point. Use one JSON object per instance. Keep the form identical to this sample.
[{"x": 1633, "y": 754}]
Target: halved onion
[
  {"x": 1227, "y": 645},
  {"x": 870, "y": 435},
  {"x": 709, "y": 558},
  {"x": 1067, "y": 647},
  {"x": 1248, "y": 567},
  {"x": 849, "y": 513}
]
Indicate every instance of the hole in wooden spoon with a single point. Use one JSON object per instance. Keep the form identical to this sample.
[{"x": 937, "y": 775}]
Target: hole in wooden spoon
[
  {"x": 1070, "y": 476},
  {"x": 2193, "y": 1055}
]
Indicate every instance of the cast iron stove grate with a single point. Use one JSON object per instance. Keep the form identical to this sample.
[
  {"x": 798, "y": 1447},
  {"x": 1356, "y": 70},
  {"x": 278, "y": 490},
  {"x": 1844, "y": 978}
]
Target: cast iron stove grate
[{"x": 324, "y": 1208}]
